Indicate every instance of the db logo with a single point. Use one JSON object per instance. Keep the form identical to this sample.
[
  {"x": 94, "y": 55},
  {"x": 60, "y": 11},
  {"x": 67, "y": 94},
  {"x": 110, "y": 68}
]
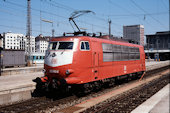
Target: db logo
[{"x": 54, "y": 61}]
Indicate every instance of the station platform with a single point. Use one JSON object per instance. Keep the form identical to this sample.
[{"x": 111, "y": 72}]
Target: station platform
[
  {"x": 156, "y": 64},
  {"x": 18, "y": 86},
  {"x": 158, "y": 103},
  {"x": 22, "y": 70}
]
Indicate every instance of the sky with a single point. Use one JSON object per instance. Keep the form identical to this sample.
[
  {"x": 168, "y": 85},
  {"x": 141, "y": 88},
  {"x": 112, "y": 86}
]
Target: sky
[{"x": 153, "y": 14}]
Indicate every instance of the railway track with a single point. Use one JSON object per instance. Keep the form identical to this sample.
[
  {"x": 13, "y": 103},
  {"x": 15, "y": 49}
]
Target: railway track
[
  {"x": 128, "y": 101},
  {"x": 43, "y": 104},
  {"x": 35, "y": 105}
]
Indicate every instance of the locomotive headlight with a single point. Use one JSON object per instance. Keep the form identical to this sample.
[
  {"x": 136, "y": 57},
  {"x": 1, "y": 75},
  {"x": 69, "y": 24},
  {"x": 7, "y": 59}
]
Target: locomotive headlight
[
  {"x": 43, "y": 70},
  {"x": 69, "y": 71}
]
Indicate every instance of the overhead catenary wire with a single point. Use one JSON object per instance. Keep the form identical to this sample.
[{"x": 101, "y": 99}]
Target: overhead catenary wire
[
  {"x": 131, "y": 13},
  {"x": 20, "y": 22},
  {"x": 159, "y": 13},
  {"x": 162, "y": 1},
  {"x": 68, "y": 8},
  {"x": 86, "y": 22},
  {"x": 58, "y": 5},
  {"x": 147, "y": 12},
  {"x": 21, "y": 28},
  {"x": 46, "y": 12},
  {"x": 73, "y": 9}
]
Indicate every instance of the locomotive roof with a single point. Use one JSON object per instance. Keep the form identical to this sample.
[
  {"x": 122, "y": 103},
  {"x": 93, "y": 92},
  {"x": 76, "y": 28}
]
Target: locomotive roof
[{"x": 65, "y": 38}]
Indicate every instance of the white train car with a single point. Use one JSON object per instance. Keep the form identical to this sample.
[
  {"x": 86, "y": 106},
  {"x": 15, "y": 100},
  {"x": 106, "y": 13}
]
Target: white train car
[{"x": 37, "y": 58}]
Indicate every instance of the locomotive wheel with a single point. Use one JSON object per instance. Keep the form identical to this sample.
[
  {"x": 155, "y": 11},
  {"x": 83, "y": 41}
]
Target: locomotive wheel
[
  {"x": 97, "y": 86},
  {"x": 134, "y": 76},
  {"x": 78, "y": 90},
  {"x": 127, "y": 79},
  {"x": 83, "y": 89}
]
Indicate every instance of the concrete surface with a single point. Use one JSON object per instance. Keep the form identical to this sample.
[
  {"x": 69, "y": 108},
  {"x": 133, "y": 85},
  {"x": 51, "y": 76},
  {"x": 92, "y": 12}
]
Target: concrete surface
[
  {"x": 155, "y": 64},
  {"x": 162, "y": 106},
  {"x": 22, "y": 70},
  {"x": 17, "y": 81},
  {"x": 158, "y": 103},
  {"x": 17, "y": 87}
]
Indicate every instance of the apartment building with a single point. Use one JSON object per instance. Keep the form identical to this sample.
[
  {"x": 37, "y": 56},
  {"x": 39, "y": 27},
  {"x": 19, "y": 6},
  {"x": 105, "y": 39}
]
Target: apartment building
[
  {"x": 41, "y": 43},
  {"x": 17, "y": 41}
]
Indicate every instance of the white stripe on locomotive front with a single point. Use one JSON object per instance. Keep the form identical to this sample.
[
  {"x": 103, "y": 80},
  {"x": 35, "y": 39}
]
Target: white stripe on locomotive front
[{"x": 63, "y": 57}]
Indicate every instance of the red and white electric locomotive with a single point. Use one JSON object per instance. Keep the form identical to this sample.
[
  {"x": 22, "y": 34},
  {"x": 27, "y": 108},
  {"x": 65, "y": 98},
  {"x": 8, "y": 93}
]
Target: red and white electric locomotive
[{"x": 89, "y": 62}]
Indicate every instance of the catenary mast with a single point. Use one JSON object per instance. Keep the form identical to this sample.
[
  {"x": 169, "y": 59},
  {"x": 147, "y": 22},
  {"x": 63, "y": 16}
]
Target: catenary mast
[{"x": 28, "y": 35}]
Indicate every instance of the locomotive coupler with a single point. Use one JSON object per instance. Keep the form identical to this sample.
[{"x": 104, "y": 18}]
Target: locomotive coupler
[
  {"x": 57, "y": 84},
  {"x": 41, "y": 83}
]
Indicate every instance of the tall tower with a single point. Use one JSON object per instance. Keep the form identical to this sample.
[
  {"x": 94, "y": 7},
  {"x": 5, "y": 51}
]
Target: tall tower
[{"x": 28, "y": 35}]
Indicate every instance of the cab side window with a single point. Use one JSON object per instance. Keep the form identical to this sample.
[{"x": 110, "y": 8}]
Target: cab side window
[
  {"x": 87, "y": 45},
  {"x": 84, "y": 45}
]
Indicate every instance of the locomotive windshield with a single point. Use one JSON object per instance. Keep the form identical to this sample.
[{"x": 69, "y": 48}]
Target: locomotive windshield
[{"x": 60, "y": 45}]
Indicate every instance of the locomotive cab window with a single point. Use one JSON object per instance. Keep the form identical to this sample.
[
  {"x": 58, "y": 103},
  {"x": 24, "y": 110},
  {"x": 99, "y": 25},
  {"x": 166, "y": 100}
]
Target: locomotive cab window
[
  {"x": 60, "y": 45},
  {"x": 65, "y": 45},
  {"x": 84, "y": 45}
]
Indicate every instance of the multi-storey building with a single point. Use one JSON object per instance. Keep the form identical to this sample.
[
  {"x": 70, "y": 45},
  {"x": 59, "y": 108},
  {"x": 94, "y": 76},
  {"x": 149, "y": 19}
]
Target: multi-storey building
[
  {"x": 14, "y": 41},
  {"x": 1, "y": 38},
  {"x": 17, "y": 41},
  {"x": 32, "y": 44},
  {"x": 134, "y": 33},
  {"x": 41, "y": 43},
  {"x": 158, "y": 45}
]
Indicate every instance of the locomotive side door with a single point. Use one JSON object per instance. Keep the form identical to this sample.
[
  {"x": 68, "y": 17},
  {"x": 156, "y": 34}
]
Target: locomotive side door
[{"x": 95, "y": 59}]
